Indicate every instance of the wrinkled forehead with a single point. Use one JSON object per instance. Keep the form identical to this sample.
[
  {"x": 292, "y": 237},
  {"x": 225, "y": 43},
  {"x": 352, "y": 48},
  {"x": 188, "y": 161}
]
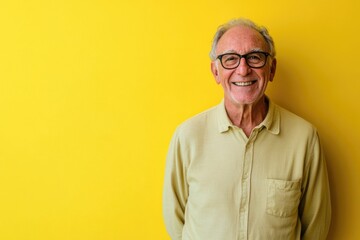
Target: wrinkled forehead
[{"x": 241, "y": 39}]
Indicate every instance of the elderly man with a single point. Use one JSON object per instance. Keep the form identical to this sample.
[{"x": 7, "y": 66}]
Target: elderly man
[{"x": 247, "y": 168}]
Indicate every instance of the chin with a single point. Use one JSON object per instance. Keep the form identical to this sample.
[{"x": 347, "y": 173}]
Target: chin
[{"x": 243, "y": 101}]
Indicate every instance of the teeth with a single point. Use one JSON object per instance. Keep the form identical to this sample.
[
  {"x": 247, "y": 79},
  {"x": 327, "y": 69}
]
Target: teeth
[{"x": 243, "y": 83}]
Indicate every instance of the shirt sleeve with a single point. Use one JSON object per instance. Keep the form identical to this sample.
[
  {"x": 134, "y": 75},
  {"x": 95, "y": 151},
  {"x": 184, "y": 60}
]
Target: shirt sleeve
[
  {"x": 175, "y": 190},
  {"x": 315, "y": 207}
]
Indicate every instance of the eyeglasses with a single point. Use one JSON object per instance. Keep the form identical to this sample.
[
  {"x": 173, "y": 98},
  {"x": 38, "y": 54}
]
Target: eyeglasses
[{"x": 253, "y": 59}]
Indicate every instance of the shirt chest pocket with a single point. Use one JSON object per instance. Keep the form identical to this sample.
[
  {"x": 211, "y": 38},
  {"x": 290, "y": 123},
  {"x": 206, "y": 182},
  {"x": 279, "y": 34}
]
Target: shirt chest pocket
[{"x": 283, "y": 197}]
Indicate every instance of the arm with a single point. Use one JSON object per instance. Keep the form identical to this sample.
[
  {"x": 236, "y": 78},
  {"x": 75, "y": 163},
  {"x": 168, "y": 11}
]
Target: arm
[
  {"x": 175, "y": 191},
  {"x": 315, "y": 208}
]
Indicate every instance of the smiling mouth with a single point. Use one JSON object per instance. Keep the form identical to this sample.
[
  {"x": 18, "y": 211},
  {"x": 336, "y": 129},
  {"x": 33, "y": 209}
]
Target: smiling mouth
[{"x": 244, "y": 84}]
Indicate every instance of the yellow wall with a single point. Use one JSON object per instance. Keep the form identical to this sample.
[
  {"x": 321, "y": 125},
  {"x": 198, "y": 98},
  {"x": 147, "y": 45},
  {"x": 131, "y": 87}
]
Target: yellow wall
[{"x": 91, "y": 92}]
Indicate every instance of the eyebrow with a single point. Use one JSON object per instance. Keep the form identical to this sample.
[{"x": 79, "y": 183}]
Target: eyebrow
[{"x": 252, "y": 50}]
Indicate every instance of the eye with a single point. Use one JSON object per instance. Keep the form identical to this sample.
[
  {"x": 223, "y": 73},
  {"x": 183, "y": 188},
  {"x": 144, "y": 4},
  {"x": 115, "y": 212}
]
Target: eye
[
  {"x": 255, "y": 57},
  {"x": 230, "y": 59}
]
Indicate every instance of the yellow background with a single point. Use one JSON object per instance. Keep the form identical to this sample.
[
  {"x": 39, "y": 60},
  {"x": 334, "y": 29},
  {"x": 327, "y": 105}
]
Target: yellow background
[{"x": 91, "y": 92}]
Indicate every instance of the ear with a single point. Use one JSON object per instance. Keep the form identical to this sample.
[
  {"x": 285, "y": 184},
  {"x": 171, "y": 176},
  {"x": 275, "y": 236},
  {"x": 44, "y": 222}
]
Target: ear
[
  {"x": 215, "y": 71},
  {"x": 272, "y": 69}
]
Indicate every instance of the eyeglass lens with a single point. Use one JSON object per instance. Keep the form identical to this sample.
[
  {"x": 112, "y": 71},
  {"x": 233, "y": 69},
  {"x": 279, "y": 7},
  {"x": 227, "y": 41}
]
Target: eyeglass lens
[{"x": 232, "y": 60}]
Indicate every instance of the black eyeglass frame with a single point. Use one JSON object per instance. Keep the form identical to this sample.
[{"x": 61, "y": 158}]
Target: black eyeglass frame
[{"x": 243, "y": 56}]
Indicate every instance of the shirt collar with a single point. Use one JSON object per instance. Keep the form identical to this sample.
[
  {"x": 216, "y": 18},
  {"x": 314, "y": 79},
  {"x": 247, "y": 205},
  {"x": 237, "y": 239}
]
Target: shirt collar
[
  {"x": 224, "y": 122},
  {"x": 271, "y": 121}
]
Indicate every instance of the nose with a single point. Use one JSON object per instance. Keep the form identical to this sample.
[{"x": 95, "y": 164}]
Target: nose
[{"x": 243, "y": 69}]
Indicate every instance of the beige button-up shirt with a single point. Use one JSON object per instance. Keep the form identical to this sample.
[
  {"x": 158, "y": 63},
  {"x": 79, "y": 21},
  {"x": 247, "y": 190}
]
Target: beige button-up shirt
[{"x": 222, "y": 185}]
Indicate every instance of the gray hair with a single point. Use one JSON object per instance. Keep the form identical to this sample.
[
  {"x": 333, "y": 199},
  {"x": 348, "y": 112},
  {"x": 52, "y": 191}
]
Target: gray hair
[{"x": 241, "y": 22}]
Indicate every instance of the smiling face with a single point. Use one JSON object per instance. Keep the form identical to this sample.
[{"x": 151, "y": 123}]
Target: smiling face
[{"x": 243, "y": 85}]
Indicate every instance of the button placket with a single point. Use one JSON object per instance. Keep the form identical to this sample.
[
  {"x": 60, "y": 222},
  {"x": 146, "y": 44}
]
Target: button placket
[{"x": 246, "y": 187}]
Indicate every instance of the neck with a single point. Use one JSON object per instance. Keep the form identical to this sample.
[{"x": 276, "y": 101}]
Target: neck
[{"x": 247, "y": 116}]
